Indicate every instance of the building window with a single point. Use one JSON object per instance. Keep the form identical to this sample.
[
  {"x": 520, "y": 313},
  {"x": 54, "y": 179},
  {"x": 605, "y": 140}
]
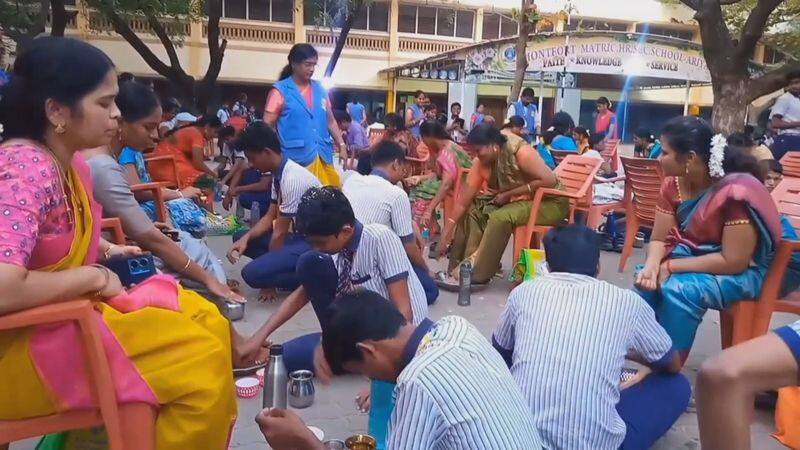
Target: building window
[
  {"x": 374, "y": 17},
  {"x": 265, "y": 10},
  {"x": 436, "y": 21},
  {"x": 773, "y": 56},
  {"x": 498, "y": 26},
  {"x": 646, "y": 28},
  {"x": 596, "y": 25}
]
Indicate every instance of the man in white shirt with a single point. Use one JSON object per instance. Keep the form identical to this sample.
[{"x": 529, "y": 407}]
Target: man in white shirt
[
  {"x": 525, "y": 108},
  {"x": 785, "y": 117},
  {"x": 566, "y": 336},
  {"x": 453, "y": 391},
  {"x": 376, "y": 198},
  {"x": 224, "y": 113}
]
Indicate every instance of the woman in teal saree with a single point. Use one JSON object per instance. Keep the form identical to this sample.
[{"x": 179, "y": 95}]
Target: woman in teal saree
[{"x": 715, "y": 234}]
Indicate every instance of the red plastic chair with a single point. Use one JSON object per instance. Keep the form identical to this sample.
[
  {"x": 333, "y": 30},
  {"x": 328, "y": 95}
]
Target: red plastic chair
[
  {"x": 129, "y": 427},
  {"x": 791, "y": 164},
  {"x": 576, "y": 174},
  {"x": 610, "y": 153},
  {"x": 642, "y": 189},
  {"x": 157, "y": 190},
  {"x": 163, "y": 168},
  {"x": 559, "y": 155},
  {"x": 113, "y": 226}
]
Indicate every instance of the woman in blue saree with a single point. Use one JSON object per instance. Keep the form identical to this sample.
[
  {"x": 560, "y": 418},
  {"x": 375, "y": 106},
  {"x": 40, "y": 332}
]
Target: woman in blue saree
[{"x": 716, "y": 230}]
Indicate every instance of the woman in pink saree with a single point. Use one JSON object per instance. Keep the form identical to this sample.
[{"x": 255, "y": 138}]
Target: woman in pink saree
[{"x": 177, "y": 358}]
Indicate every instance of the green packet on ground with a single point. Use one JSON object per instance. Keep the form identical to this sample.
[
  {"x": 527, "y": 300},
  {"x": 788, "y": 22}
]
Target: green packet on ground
[{"x": 90, "y": 439}]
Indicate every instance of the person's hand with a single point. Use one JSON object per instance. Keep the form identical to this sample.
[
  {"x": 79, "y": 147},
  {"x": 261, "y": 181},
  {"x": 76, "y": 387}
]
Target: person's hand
[
  {"x": 442, "y": 246},
  {"x": 162, "y": 226},
  {"x": 426, "y": 217},
  {"x": 227, "y": 201},
  {"x": 190, "y": 192},
  {"x": 112, "y": 287},
  {"x": 501, "y": 198},
  {"x": 640, "y": 375},
  {"x": 124, "y": 250},
  {"x": 285, "y": 430},
  {"x": 238, "y": 248},
  {"x": 322, "y": 369},
  {"x": 647, "y": 279},
  {"x": 364, "y": 399},
  {"x": 249, "y": 352},
  {"x": 664, "y": 272},
  {"x": 223, "y": 291},
  {"x": 412, "y": 181}
]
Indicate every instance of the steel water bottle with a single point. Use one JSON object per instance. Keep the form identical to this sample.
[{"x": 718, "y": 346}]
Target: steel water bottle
[
  {"x": 464, "y": 283},
  {"x": 275, "y": 379}
]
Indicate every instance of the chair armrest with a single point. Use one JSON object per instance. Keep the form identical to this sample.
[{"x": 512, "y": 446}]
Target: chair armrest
[
  {"x": 149, "y": 186},
  {"x": 40, "y": 315},
  {"x": 601, "y": 180},
  {"x": 159, "y": 158},
  {"x": 558, "y": 193}
]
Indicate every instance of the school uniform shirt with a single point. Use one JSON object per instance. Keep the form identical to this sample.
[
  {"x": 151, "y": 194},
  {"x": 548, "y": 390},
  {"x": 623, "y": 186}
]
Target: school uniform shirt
[
  {"x": 289, "y": 182},
  {"x": 455, "y": 393},
  {"x": 380, "y": 259},
  {"x": 787, "y": 107},
  {"x": 567, "y": 336},
  {"x": 376, "y": 200}
]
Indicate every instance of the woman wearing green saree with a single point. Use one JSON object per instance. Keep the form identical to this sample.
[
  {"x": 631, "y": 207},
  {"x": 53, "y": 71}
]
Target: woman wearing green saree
[{"x": 481, "y": 224}]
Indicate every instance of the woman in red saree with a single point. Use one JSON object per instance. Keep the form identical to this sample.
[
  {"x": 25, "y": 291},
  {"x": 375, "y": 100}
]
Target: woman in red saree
[
  {"x": 176, "y": 358},
  {"x": 716, "y": 230}
]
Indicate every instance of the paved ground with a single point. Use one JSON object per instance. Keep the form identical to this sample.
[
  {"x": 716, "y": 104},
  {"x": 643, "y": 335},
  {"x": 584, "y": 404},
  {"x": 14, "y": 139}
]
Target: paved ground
[{"x": 334, "y": 411}]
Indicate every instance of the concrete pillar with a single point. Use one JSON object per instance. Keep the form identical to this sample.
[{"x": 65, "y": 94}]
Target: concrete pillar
[
  {"x": 196, "y": 49},
  {"x": 394, "y": 38},
  {"x": 478, "y": 25},
  {"x": 391, "y": 95},
  {"x": 299, "y": 26}
]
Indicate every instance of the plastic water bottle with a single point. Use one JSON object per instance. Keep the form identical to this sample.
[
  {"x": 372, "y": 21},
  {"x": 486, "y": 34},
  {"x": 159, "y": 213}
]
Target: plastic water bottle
[
  {"x": 426, "y": 234},
  {"x": 276, "y": 380},
  {"x": 255, "y": 214},
  {"x": 464, "y": 284}
]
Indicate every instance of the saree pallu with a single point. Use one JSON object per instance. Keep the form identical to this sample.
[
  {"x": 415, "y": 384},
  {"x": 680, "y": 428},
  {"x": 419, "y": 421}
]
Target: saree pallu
[
  {"x": 682, "y": 300},
  {"x": 178, "y": 362},
  {"x": 184, "y": 213}
]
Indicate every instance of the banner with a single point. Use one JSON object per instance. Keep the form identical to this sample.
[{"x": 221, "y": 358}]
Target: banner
[{"x": 611, "y": 55}]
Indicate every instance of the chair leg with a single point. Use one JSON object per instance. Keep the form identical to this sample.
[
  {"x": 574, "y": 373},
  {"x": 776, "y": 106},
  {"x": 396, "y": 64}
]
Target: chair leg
[
  {"x": 593, "y": 218},
  {"x": 725, "y": 329},
  {"x": 138, "y": 421},
  {"x": 631, "y": 227}
]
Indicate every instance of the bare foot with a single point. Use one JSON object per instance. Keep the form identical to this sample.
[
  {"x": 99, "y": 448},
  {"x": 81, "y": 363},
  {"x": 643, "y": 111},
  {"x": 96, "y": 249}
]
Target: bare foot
[
  {"x": 363, "y": 399},
  {"x": 268, "y": 295},
  {"x": 249, "y": 352}
]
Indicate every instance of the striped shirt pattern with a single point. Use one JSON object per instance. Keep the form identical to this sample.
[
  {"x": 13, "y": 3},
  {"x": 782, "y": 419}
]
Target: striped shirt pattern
[
  {"x": 457, "y": 394},
  {"x": 294, "y": 180},
  {"x": 570, "y": 334},
  {"x": 380, "y": 259},
  {"x": 375, "y": 200}
]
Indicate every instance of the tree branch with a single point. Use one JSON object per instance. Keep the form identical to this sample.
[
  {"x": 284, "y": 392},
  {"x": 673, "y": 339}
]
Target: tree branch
[
  {"x": 771, "y": 81},
  {"x": 691, "y": 4},
  {"x": 755, "y": 25},
  {"x": 716, "y": 37},
  {"x": 59, "y": 21},
  {"x": 123, "y": 29},
  {"x": 161, "y": 33},
  {"x": 216, "y": 51}
]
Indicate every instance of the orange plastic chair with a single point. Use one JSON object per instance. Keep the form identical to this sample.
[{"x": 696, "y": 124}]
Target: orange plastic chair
[
  {"x": 559, "y": 155},
  {"x": 157, "y": 190},
  {"x": 577, "y": 175},
  {"x": 642, "y": 189},
  {"x": 610, "y": 153},
  {"x": 129, "y": 427},
  {"x": 594, "y": 213},
  {"x": 791, "y": 164},
  {"x": 113, "y": 226},
  {"x": 749, "y": 319}
]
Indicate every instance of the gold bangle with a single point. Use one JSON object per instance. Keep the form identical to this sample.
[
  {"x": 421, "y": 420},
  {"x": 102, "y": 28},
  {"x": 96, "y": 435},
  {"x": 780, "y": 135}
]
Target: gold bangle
[
  {"x": 105, "y": 272},
  {"x": 188, "y": 261}
]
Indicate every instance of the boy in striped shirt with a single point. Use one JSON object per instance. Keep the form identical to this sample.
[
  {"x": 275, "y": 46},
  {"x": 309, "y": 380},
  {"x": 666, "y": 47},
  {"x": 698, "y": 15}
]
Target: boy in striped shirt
[
  {"x": 566, "y": 336},
  {"x": 453, "y": 390}
]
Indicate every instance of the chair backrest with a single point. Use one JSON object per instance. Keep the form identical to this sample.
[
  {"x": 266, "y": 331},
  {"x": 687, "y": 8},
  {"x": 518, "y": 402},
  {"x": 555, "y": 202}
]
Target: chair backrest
[
  {"x": 163, "y": 168},
  {"x": 559, "y": 155},
  {"x": 791, "y": 164},
  {"x": 787, "y": 197},
  {"x": 576, "y": 174},
  {"x": 643, "y": 179},
  {"x": 376, "y": 134},
  {"x": 610, "y": 153}
]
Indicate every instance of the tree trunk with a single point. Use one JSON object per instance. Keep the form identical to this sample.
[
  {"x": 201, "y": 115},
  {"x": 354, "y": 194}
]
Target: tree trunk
[
  {"x": 729, "y": 113},
  {"x": 337, "y": 50},
  {"x": 59, "y": 18},
  {"x": 525, "y": 28}
]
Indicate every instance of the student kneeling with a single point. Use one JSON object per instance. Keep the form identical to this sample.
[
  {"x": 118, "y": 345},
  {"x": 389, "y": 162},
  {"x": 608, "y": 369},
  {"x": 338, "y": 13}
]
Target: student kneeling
[
  {"x": 453, "y": 391},
  {"x": 566, "y": 336}
]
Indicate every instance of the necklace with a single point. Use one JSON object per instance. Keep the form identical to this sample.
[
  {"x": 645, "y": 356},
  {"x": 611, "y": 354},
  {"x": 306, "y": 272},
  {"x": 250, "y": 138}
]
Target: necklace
[{"x": 67, "y": 190}]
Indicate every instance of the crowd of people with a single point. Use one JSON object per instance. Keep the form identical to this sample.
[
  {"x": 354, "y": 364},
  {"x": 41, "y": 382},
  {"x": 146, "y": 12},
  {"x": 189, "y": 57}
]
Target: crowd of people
[{"x": 339, "y": 221}]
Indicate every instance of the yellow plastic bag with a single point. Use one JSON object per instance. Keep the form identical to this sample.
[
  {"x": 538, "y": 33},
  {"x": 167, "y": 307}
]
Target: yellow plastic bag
[{"x": 531, "y": 264}]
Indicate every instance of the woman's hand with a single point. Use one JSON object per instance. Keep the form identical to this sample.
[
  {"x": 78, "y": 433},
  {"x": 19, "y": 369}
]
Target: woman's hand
[
  {"x": 223, "y": 291},
  {"x": 647, "y": 279},
  {"x": 443, "y": 245},
  {"x": 664, "y": 271},
  {"x": 501, "y": 199},
  {"x": 110, "y": 284},
  {"x": 190, "y": 192},
  {"x": 124, "y": 250},
  {"x": 285, "y": 430}
]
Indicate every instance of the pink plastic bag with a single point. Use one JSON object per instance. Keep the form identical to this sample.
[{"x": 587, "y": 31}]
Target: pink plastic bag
[{"x": 158, "y": 291}]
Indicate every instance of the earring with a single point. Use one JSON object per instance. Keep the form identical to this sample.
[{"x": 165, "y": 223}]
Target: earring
[
  {"x": 60, "y": 129},
  {"x": 687, "y": 170}
]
